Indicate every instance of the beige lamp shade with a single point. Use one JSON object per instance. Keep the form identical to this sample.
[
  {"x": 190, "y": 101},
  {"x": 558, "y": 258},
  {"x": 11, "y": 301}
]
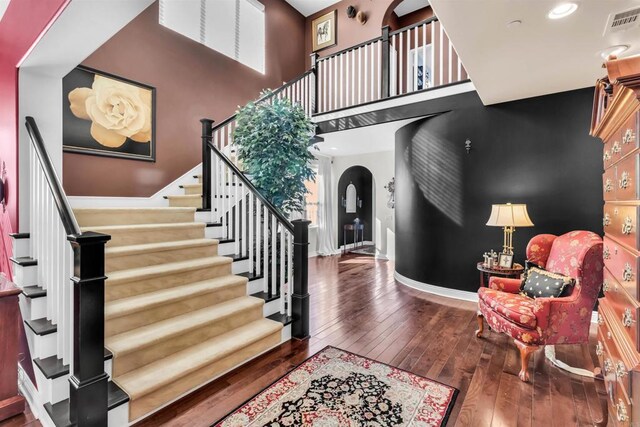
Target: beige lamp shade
[{"x": 509, "y": 215}]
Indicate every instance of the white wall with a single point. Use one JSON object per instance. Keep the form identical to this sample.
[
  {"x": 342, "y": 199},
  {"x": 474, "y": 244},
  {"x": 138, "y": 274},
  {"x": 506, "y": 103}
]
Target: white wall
[{"x": 381, "y": 164}]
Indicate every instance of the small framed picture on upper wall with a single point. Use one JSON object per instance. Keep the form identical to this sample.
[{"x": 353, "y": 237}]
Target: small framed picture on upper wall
[
  {"x": 323, "y": 29},
  {"x": 107, "y": 115}
]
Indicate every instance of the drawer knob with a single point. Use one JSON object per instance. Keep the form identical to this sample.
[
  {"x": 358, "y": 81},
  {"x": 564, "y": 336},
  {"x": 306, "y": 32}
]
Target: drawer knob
[
  {"x": 607, "y": 366},
  {"x": 627, "y": 318},
  {"x": 606, "y": 220},
  {"x": 605, "y": 286},
  {"x": 608, "y": 186},
  {"x": 628, "y": 137},
  {"x": 606, "y": 156},
  {"x": 624, "y": 180},
  {"x": 600, "y": 320},
  {"x": 621, "y": 370},
  {"x": 627, "y": 226},
  {"x": 621, "y": 411},
  {"x": 606, "y": 253},
  {"x": 599, "y": 349},
  {"x": 616, "y": 148},
  {"x": 627, "y": 273}
]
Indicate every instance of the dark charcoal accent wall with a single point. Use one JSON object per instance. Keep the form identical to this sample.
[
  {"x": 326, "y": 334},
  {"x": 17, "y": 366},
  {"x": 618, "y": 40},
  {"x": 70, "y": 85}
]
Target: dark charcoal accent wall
[
  {"x": 363, "y": 180},
  {"x": 535, "y": 151}
]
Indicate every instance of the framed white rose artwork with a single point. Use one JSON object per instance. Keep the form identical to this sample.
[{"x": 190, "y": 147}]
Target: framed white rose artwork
[{"x": 107, "y": 115}]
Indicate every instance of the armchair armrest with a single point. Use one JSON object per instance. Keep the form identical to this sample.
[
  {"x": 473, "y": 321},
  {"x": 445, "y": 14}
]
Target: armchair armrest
[{"x": 503, "y": 284}]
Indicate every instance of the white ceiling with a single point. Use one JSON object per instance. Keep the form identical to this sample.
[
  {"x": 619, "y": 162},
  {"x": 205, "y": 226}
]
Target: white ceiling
[
  {"x": 408, "y": 6},
  {"x": 309, "y": 7},
  {"x": 538, "y": 57},
  {"x": 368, "y": 139},
  {"x": 3, "y": 7}
]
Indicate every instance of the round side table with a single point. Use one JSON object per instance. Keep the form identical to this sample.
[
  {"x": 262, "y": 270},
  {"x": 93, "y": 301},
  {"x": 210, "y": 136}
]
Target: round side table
[{"x": 485, "y": 272}]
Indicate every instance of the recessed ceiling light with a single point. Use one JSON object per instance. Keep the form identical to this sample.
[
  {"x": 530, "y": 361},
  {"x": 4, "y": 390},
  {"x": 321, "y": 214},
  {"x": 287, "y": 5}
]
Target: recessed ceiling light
[
  {"x": 614, "y": 50},
  {"x": 333, "y": 148},
  {"x": 562, "y": 10}
]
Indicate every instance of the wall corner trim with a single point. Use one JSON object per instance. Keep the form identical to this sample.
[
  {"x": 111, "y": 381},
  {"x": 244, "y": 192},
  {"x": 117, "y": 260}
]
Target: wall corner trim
[{"x": 450, "y": 293}]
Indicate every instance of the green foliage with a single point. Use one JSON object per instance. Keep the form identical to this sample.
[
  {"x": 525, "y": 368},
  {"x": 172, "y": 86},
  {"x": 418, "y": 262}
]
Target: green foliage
[{"x": 273, "y": 141}]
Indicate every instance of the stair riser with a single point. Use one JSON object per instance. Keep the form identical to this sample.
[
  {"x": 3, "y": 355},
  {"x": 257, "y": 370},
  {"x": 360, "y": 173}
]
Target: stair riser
[
  {"x": 25, "y": 275},
  {"x": 117, "y": 263},
  {"x": 21, "y": 247},
  {"x": 241, "y": 266},
  {"x": 129, "y": 237},
  {"x": 271, "y": 307},
  {"x": 33, "y": 308},
  {"x": 155, "y": 314},
  {"x": 41, "y": 346},
  {"x": 144, "y": 356},
  {"x": 228, "y": 248},
  {"x": 115, "y": 291},
  {"x": 193, "y": 190},
  {"x": 195, "y": 202},
  {"x": 215, "y": 232},
  {"x": 155, "y": 400},
  {"x": 131, "y": 217},
  {"x": 255, "y": 286},
  {"x": 54, "y": 390}
]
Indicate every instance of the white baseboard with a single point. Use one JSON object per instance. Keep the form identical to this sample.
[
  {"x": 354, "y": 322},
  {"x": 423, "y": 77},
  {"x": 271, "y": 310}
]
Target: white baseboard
[
  {"x": 157, "y": 199},
  {"x": 450, "y": 293}
]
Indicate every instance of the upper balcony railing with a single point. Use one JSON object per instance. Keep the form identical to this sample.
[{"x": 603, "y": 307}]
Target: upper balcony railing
[{"x": 411, "y": 59}]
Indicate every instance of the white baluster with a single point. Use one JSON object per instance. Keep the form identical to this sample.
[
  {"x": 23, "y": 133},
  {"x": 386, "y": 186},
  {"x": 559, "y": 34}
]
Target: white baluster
[
  {"x": 282, "y": 281},
  {"x": 346, "y": 78},
  {"x": 252, "y": 225},
  {"x": 434, "y": 82},
  {"x": 273, "y": 254},
  {"x": 424, "y": 56},
  {"x": 258, "y": 236},
  {"x": 265, "y": 248},
  {"x": 401, "y": 64},
  {"x": 236, "y": 223},
  {"x": 290, "y": 271},
  {"x": 440, "y": 54},
  {"x": 415, "y": 58},
  {"x": 359, "y": 75},
  {"x": 244, "y": 213},
  {"x": 379, "y": 69}
]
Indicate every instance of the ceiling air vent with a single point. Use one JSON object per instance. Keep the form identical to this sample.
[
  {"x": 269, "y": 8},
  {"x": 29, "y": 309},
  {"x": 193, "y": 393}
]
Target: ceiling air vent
[{"x": 622, "y": 20}]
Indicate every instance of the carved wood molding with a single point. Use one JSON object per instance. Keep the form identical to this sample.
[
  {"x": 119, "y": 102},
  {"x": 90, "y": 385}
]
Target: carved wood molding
[{"x": 625, "y": 102}]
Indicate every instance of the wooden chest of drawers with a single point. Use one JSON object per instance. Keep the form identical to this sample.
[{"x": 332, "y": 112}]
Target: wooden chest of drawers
[{"x": 616, "y": 121}]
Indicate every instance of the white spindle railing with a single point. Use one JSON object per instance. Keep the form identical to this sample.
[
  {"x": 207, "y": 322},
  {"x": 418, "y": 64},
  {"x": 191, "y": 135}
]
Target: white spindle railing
[{"x": 54, "y": 256}]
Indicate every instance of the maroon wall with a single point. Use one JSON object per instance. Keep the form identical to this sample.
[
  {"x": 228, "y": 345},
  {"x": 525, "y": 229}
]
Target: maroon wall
[{"x": 192, "y": 82}]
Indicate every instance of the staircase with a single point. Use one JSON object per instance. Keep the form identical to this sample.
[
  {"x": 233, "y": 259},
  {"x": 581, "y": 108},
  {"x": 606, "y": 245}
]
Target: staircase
[{"x": 176, "y": 316}]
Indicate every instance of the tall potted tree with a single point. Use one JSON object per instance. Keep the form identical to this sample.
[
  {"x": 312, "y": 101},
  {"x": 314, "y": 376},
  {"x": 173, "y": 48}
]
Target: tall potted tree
[{"x": 273, "y": 140}]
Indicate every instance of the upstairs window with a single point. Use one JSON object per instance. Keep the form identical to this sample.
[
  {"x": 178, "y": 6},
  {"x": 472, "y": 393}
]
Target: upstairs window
[{"x": 234, "y": 28}]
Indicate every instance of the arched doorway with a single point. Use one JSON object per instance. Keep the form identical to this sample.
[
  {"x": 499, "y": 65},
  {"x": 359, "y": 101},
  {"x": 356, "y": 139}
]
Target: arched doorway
[{"x": 360, "y": 179}]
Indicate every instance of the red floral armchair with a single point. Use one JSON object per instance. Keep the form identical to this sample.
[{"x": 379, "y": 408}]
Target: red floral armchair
[{"x": 537, "y": 322}]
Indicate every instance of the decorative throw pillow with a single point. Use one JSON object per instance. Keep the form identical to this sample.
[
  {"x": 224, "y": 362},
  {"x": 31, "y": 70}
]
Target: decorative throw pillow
[{"x": 540, "y": 283}]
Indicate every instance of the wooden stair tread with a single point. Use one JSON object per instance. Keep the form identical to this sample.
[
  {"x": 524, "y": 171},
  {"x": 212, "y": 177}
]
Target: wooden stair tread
[
  {"x": 126, "y": 306},
  {"x": 191, "y": 186},
  {"x": 41, "y": 326},
  {"x": 153, "y": 376},
  {"x": 34, "y": 291},
  {"x": 149, "y": 209},
  {"x": 142, "y": 273},
  {"x": 184, "y": 196},
  {"x": 145, "y": 336},
  {"x": 158, "y": 247}
]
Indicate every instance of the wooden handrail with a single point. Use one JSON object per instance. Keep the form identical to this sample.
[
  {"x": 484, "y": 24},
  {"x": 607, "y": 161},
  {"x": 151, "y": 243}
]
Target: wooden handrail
[
  {"x": 348, "y": 49},
  {"x": 249, "y": 185},
  {"x": 71, "y": 226}
]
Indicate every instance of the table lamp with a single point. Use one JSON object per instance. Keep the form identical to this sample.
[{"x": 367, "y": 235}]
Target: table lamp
[{"x": 509, "y": 217}]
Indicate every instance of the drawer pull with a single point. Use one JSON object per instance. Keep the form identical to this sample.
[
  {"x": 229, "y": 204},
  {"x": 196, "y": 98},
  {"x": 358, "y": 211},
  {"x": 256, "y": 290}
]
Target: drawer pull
[
  {"x": 627, "y": 273},
  {"x": 621, "y": 411},
  {"x": 627, "y": 318},
  {"x": 605, "y": 286},
  {"x": 599, "y": 349},
  {"x": 606, "y": 220},
  {"x": 628, "y": 137},
  {"x": 607, "y": 367},
  {"x": 627, "y": 226},
  {"x": 621, "y": 370},
  {"x": 624, "y": 180},
  {"x": 616, "y": 148},
  {"x": 606, "y": 156},
  {"x": 608, "y": 186},
  {"x": 606, "y": 253}
]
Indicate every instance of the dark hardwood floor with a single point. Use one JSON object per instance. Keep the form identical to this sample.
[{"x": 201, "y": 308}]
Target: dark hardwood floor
[{"x": 358, "y": 306}]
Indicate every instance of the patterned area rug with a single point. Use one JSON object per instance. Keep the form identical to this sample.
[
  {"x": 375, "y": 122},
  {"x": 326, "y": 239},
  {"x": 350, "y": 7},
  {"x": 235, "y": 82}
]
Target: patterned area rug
[{"x": 335, "y": 388}]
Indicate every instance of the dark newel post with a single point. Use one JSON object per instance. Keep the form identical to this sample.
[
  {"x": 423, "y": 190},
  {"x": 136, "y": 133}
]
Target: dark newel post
[
  {"x": 207, "y": 135},
  {"x": 300, "y": 296},
  {"x": 385, "y": 73},
  {"x": 314, "y": 68},
  {"x": 88, "y": 382}
]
